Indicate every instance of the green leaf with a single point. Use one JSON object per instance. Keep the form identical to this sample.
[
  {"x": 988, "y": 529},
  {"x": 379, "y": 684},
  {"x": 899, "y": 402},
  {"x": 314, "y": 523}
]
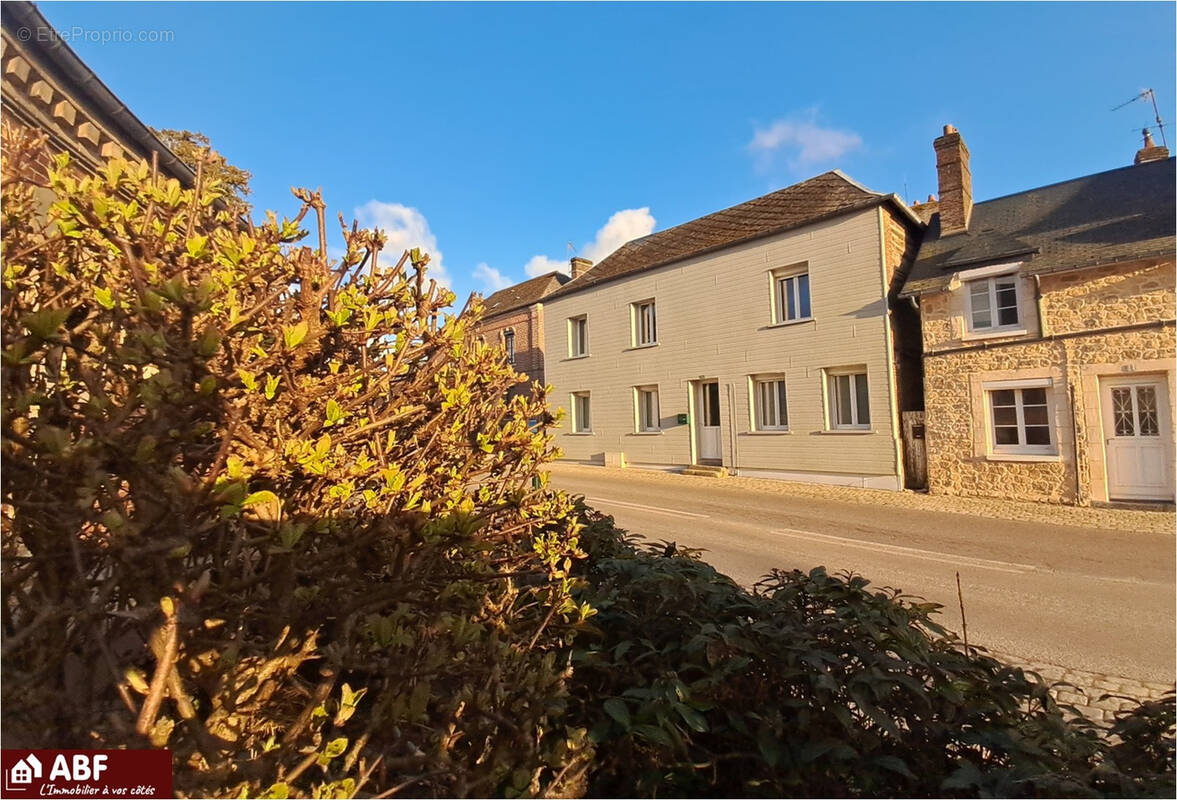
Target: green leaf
[
  {"x": 271, "y": 386},
  {"x": 197, "y": 246},
  {"x": 104, "y": 297},
  {"x": 264, "y": 496},
  {"x": 294, "y": 336},
  {"x": 619, "y": 710},
  {"x": 45, "y": 323},
  {"x": 894, "y": 764},
  {"x": 692, "y": 717},
  {"x": 335, "y": 413}
]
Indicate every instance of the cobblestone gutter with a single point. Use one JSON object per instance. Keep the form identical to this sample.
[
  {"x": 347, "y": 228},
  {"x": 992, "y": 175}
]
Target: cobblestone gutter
[{"x": 1088, "y": 687}]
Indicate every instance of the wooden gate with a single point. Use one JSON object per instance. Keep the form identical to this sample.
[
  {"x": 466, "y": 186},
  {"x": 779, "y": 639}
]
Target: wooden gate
[{"x": 915, "y": 451}]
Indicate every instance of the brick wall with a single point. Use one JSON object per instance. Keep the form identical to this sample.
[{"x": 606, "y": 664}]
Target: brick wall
[{"x": 527, "y": 324}]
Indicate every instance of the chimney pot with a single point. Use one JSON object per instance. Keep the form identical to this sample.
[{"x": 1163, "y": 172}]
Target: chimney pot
[
  {"x": 955, "y": 182},
  {"x": 579, "y": 266},
  {"x": 1150, "y": 151}
]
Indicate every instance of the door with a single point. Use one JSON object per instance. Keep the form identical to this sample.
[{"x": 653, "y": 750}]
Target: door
[
  {"x": 710, "y": 440},
  {"x": 1137, "y": 438}
]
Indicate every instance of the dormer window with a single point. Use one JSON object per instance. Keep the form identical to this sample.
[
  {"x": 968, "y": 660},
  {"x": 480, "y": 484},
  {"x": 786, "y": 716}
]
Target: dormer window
[{"x": 993, "y": 304}]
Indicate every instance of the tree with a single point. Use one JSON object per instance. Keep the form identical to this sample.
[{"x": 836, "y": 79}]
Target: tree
[
  {"x": 273, "y": 512},
  {"x": 192, "y": 147}
]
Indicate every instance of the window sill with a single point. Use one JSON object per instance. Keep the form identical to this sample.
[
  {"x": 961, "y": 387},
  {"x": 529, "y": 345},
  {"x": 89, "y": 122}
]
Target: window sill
[
  {"x": 579, "y": 433},
  {"x": 766, "y": 433},
  {"x": 847, "y": 432},
  {"x": 645, "y": 433},
  {"x": 970, "y": 336},
  {"x": 1041, "y": 457},
  {"x": 576, "y": 358},
  {"x": 788, "y": 323},
  {"x": 642, "y": 346}
]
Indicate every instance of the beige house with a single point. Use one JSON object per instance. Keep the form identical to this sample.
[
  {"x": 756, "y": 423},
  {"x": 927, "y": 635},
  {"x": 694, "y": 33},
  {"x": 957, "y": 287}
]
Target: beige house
[
  {"x": 761, "y": 339},
  {"x": 1048, "y": 334}
]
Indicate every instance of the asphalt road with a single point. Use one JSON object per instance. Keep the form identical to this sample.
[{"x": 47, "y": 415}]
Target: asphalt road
[{"x": 1096, "y": 600}]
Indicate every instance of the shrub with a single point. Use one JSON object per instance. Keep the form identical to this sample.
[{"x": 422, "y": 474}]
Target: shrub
[
  {"x": 819, "y": 685},
  {"x": 272, "y": 511}
]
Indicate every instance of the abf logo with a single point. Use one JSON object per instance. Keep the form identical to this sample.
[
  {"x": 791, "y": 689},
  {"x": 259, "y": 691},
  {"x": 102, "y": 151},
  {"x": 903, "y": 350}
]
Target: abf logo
[{"x": 81, "y": 767}]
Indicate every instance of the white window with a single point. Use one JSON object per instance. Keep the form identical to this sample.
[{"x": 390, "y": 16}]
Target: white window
[
  {"x": 849, "y": 399},
  {"x": 771, "y": 408},
  {"x": 791, "y": 294},
  {"x": 1019, "y": 420},
  {"x": 509, "y": 344},
  {"x": 582, "y": 421},
  {"x": 648, "y": 415},
  {"x": 577, "y": 336},
  {"x": 993, "y": 303},
  {"x": 645, "y": 324}
]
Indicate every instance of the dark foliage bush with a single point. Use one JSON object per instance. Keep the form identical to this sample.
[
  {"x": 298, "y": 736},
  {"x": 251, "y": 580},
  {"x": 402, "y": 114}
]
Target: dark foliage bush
[{"x": 820, "y": 685}]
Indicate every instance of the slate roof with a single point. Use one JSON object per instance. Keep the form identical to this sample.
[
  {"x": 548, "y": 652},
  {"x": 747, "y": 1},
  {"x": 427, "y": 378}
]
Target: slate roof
[
  {"x": 827, "y": 195},
  {"x": 1121, "y": 215},
  {"x": 522, "y": 294}
]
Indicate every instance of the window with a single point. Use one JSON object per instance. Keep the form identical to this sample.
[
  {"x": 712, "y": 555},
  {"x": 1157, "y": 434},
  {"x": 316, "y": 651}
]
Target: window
[
  {"x": 578, "y": 337},
  {"x": 582, "y": 421},
  {"x": 849, "y": 400},
  {"x": 771, "y": 411},
  {"x": 1020, "y": 421},
  {"x": 791, "y": 295},
  {"x": 509, "y": 344},
  {"x": 993, "y": 303},
  {"x": 649, "y": 419},
  {"x": 645, "y": 324}
]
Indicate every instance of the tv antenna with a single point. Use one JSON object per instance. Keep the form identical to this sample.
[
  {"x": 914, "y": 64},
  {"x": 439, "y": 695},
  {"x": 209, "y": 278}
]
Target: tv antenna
[
  {"x": 1148, "y": 94},
  {"x": 571, "y": 249}
]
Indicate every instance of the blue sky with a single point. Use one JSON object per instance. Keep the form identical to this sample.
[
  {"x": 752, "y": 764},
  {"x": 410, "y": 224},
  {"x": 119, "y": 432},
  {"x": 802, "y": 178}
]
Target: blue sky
[{"x": 497, "y": 134}]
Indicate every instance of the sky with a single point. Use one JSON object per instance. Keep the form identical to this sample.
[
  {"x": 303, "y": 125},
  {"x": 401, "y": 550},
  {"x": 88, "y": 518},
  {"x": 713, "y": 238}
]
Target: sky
[{"x": 505, "y": 138}]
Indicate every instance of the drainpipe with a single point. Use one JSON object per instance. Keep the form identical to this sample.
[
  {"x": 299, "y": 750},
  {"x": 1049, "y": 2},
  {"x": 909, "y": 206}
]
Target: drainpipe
[
  {"x": 1043, "y": 328},
  {"x": 731, "y": 427}
]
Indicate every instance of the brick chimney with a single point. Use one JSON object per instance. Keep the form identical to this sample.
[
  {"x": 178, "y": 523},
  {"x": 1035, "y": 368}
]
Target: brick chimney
[
  {"x": 1150, "y": 151},
  {"x": 956, "y": 182},
  {"x": 580, "y": 266}
]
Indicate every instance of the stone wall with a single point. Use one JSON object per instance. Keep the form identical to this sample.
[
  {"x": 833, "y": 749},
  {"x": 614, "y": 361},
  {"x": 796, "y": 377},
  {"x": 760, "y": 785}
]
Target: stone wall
[{"x": 1096, "y": 301}]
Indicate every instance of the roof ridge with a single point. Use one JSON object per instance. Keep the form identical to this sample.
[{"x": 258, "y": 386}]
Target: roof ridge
[{"x": 1073, "y": 180}]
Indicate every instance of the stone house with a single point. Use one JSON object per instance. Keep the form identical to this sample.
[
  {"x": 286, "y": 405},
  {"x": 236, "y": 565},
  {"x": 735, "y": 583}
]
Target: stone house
[
  {"x": 1048, "y": 334},
  {"x": 513, "y": 318},
  {"x": 46, "y": 87},
  {"x": 763, "y": 339}
]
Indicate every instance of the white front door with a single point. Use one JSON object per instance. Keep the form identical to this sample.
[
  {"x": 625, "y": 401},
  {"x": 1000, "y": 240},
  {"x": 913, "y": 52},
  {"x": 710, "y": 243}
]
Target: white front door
[
  {"x": 1137, "y": 438},
  {"x": 710, "y": 438}
]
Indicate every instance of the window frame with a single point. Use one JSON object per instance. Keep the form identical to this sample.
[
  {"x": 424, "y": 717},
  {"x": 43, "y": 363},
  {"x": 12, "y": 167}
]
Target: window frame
[
  {"x": 1018, "y": 387},
  {"x": 990, "y": 282},
  {"x": 640, "y": 423},
  {"x": 780, "y": 409},
  {"x": 578, "y": 334},
  {"x": 779, "y": 303},
  {"x": 509, "y": 345},
  {"x": 833, "y": 413},
  {"x": 636, "y": 322},
  {"x": 577, "y": 422}
]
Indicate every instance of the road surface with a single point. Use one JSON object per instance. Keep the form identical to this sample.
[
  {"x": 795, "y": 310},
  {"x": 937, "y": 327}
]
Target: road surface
[{"x": 1083, "y": 598}]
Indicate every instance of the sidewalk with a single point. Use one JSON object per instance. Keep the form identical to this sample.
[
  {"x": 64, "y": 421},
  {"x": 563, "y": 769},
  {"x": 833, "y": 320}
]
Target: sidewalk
[{"x": 1127, "y": 520}]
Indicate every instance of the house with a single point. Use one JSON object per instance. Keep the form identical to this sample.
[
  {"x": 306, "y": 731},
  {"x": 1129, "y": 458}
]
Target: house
[
  {"x": 46, "y": 87},
  {"x": 762, "y": 339},
  {"x": 1048, "y": 334},
  {"x": 25, "y": 769},
  {"x": 513, "y": 318}
]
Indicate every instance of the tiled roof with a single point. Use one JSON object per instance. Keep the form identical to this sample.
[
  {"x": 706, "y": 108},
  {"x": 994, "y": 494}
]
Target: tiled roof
[
  {"x": 826, "y": 195},
  {"x": 523, "y": 294},
  {"x": 1121, "y": 215}
]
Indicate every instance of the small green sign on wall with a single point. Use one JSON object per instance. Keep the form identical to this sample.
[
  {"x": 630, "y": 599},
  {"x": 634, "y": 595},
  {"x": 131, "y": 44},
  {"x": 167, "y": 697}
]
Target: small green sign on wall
[{"x": 682, "y": 419}]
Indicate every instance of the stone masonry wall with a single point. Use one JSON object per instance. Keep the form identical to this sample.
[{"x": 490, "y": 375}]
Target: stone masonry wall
[{"x": 956, "y": 420}]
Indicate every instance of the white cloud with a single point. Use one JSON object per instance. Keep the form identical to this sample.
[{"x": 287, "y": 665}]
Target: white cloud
[
  {"x": 803, "y": 140},
  {"x": 405, "y": 228},
  {"x": 623, "y": 226},
  {"x": 542, "y": 265},
  {"x": 491, "y": 278}
]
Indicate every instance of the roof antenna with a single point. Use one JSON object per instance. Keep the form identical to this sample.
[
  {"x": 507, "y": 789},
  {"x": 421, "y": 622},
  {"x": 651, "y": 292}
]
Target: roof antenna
[{"x": 1150, "y": 95}]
